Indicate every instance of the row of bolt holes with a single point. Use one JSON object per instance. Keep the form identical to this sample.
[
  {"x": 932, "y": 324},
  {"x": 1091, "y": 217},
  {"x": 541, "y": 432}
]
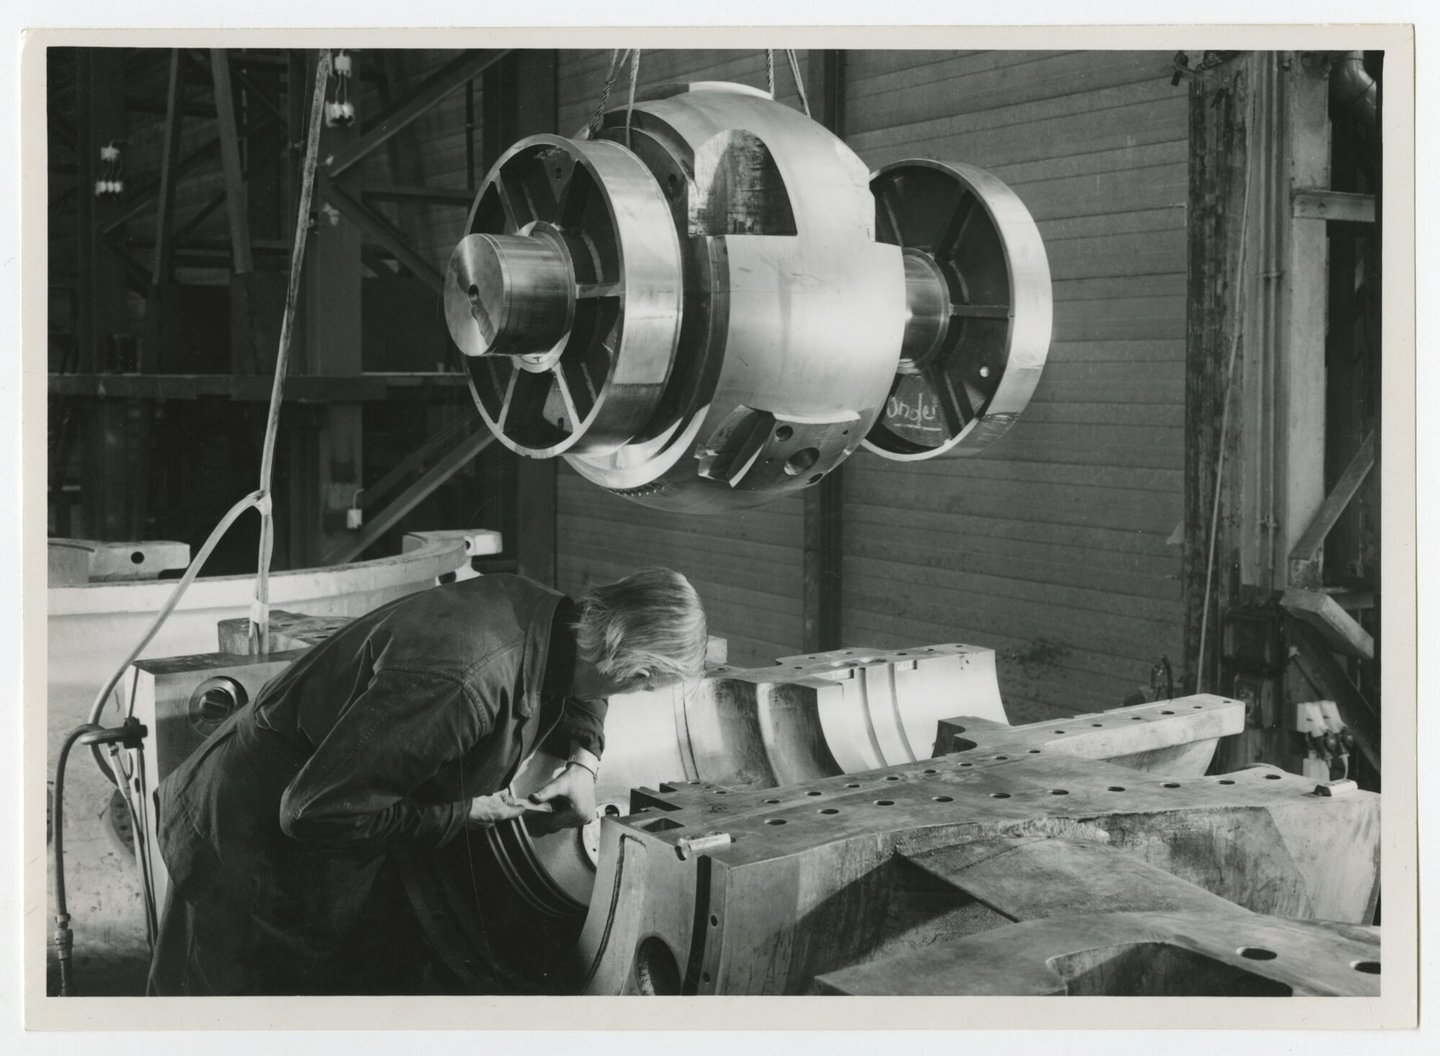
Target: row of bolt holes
[
  {"x": 1260, "y": 953},
  {"x": 951, "y": 799}
]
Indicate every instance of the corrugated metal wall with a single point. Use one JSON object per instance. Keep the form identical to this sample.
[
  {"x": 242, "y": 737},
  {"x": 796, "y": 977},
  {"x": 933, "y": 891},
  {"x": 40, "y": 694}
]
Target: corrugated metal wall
[{"x": 1052, "y": 547}]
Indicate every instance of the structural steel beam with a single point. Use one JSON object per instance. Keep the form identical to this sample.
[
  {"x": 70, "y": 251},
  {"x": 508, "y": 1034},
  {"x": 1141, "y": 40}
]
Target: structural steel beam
[
  {"x": 1305, "y": 558},
  {"x": 451, "y": 78},
  {"x": 351, "y": 547},
  {"x": 235, "y": 200},
  {"x": 382, "y": 231}
]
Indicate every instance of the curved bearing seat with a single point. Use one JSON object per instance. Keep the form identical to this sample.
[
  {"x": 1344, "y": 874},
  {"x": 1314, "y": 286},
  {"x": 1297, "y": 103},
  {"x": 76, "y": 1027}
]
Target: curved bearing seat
[
  {"x": 696, "y": 309},
  {"x": 805, "y": 718}
]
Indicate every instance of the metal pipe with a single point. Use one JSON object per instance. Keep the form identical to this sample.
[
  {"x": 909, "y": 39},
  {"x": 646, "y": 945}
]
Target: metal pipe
[{"x": 1352, "y": 88}]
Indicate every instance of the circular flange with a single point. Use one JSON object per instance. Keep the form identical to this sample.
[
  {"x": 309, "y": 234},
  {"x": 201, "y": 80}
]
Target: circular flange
[
  {"x": 565, "y": 296},
  {"x": 978, "y": 292}
]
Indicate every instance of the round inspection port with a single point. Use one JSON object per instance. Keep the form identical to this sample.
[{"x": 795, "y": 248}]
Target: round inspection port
[
  {"x": 784, "y": 433},
  {"x": 828, "y": 810},
  {"x": 999, "y": 795},
  {"x": 775, "y": 821},
  {"x": 1368, "y": 967},
  {"x": 884, "y": 802},
  {"x": 943, "y": 799},
  {"x": 1256, "y": 953},
  {"x": 1115, "y": 788},
  {"x": 657, "y": 973},
  {"x": 801, "y": 461}
]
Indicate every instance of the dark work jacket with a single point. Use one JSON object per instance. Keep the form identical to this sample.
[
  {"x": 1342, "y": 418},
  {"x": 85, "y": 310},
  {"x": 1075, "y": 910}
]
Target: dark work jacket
[{"x": 371, "y": 744}]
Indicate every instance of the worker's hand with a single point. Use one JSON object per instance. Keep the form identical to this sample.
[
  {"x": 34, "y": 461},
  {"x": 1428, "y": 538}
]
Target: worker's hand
[
  {"x": 490, "y": 810},
  {"x": 572, "y": 793}
]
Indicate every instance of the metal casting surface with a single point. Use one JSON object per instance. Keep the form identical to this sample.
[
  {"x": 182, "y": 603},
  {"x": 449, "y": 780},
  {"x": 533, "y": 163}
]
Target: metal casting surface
[
  {"x": 788, "y": 324},
  {"x": 814, "y": 878}
]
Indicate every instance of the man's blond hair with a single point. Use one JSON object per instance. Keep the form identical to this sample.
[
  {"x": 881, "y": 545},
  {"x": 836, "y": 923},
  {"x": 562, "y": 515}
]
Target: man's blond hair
[{"x": 650, "y": 624}]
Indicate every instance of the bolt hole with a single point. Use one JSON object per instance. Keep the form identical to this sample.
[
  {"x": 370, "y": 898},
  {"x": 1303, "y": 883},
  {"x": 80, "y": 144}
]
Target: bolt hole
[
  {"x": 137, "y": 558},
  {"x": 784, "y": 433},
  {"x": 801, "y": 461},
  {"x": 1097, "y": 725},
  {"x": 828, "y": 810},
  {"x": 657, "y": 973},
  {"x": 1137, "y": 718},
  {"x": 1059, "y": 791},
  {"x": 999, "y": 795},
  {"x": 721, "y": 791},
  {"x": 1226, "y": 781},
  {"x": 930, "y": 771},
  {"x": 1172, "y": 784},
  {"x": 1002, "y": 758},
  {"x": 1034, "y": 751},
  {"x": 892, "y": 777},
  {"x": 1167, "y": 713},
  {"x": 1059, "y": 731},
  {"x": 814, "y": 792},
  {"x": 815, "y": 479},
  {"x": 704, "y": 977},
  {"x": 714, "y": 921},
  {"x": 1256, "y": 953},
  {"x": 1272, "y": 777},
  {"x": 852, "y": 784},
  {"x": 1115, "y": 788},
  {"x": 1368, "y": 967},
  {"x": 943, "y": 799},
  {"x": 884, "y": 802},
  {"x": 966, "y": 764},
  {"x": 775, "y": 821}
]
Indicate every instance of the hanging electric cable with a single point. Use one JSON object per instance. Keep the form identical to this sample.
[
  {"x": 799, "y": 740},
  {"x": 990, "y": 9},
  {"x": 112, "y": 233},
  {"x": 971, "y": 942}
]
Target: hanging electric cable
[{"x": 260, "y": 608}]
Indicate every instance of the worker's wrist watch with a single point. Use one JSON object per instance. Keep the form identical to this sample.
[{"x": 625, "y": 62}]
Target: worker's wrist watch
[{"x": 587, "y": 759}]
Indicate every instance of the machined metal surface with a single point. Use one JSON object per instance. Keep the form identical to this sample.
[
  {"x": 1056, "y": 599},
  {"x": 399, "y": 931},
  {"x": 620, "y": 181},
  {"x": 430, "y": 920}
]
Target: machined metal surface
[
  {"x": 978, "y": 292},
  {"x": 695, "y": 306},
  {"x": 565, "y": 296}
]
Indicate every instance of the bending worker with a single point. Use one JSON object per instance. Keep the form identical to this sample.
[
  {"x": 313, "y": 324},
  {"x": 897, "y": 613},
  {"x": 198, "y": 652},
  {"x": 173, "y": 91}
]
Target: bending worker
[{"x": 283, "y": 831}]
